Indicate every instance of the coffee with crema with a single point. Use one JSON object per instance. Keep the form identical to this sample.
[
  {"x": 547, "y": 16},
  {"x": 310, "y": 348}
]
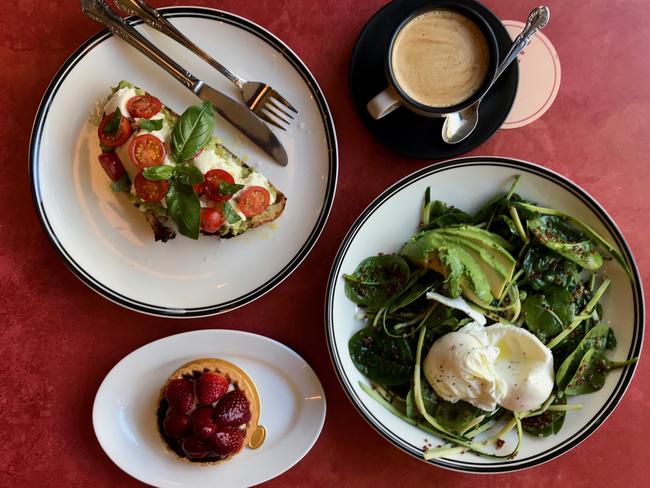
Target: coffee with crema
[{"x": 440, "y": 58}]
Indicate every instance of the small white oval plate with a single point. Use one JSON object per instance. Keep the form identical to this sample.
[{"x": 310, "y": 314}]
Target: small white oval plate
[
  {"x": 292, "y": 409},
  {"x": 468, "y": 183},
  {"x": 106, "y": 242}
]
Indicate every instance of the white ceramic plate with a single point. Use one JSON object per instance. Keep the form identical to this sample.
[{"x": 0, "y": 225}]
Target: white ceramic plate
[
  {"x": 106, "y": 242},
  {"x": 292, "y": 409},
  {"x": 468, "y": 183}
]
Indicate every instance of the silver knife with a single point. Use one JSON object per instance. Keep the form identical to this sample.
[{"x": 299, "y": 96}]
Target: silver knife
[{"x": 238, "y": 115}]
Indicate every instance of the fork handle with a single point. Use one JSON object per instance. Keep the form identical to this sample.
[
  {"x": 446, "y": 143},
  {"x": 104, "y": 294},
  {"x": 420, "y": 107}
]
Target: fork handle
[
  {"x": 155, "y": 19},
  {"x": 100, "y": 12}
]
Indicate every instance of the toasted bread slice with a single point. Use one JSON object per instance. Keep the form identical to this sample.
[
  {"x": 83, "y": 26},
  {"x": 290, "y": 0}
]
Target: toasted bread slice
[{"x": 213, "y": 156}]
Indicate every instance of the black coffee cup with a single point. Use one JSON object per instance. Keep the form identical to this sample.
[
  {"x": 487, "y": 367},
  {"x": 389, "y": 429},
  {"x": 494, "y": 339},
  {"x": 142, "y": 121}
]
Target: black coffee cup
[{"x": 394, "y": 96}]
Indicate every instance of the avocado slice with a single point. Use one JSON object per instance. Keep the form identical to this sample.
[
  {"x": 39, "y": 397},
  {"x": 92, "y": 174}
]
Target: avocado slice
[
  {"x": 496, "y": 261},
  {"x": 472, "y": 259}
]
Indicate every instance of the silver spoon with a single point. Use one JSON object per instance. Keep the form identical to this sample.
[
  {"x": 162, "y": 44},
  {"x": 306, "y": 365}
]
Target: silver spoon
[{"x": 459, "y": 125}]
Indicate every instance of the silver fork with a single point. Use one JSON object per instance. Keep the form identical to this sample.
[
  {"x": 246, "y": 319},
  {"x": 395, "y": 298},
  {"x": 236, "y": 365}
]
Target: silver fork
[{"x": 259, "y": 97}]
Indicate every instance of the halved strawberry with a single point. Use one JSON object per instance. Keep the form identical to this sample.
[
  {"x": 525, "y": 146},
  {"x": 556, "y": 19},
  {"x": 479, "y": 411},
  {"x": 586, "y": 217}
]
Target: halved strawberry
[
  {"x": 176, "y": 424},
  {"x": 203, "y": 425},
  {"x": 180, "y": 395},
  {"x": 233, "y": 410},
  {"x": 226, "y": 442},
  {"x": 210, "y": 387}
]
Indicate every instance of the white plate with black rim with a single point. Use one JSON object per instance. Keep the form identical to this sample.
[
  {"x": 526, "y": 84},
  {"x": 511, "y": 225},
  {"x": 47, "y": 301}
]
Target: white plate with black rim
[
  {"x": 467, "y": 183},
  {"x": 106, "y": 242},
  {"x": 291, "y": 398}
]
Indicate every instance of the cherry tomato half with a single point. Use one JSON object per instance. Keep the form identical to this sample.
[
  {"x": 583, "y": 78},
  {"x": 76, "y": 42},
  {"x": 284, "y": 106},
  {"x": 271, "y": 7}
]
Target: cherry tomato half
[
  {"x": 148, "y": 190},
  {"x": 112, "y": 165},
  {"x": 120, "y": 137},
  {"x": 254, "y": 200},
  {"x": 211, "y": 182},
  {"x": 211, "y": 220},
  {"x": 143, "y": 106},
  {"x": 146, "y": 150}
]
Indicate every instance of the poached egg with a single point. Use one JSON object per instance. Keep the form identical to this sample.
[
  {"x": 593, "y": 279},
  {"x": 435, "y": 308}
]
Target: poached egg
[{"x": 500, "y": 364}]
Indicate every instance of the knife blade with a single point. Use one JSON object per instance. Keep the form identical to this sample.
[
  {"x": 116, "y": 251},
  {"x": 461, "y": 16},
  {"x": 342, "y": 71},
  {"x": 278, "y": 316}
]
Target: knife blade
[
  {"x": 236, "y": 114},
  {"x": 244, "y": 120}
]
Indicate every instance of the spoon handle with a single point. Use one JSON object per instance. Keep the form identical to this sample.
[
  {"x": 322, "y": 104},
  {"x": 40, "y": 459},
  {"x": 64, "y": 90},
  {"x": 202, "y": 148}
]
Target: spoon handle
[{"x": 537, "y": 20}]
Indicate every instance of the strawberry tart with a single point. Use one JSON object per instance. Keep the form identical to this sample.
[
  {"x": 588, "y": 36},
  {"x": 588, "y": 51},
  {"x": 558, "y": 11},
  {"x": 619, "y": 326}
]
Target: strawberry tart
[{"x": 208, "y": 411}]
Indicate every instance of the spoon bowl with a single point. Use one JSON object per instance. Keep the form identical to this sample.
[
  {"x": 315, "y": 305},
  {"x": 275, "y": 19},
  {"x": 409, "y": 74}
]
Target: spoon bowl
[{"x": 459, "y": 125}]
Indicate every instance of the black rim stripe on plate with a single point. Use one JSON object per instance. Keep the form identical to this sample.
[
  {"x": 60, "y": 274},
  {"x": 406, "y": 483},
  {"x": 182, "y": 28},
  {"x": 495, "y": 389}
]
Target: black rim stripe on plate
[
  {"x": 610, "y": 403},
  {"x": 34, "y": 162}
]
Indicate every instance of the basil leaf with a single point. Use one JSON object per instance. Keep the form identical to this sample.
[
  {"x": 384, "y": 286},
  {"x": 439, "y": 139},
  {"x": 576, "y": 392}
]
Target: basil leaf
[
  {"x": 156, "y": 173},
  {"x": 192, "y": 131},
  {"x": 188, "y": 174},
  {"x": 226, "y": 188},
  {"x": 151, "y": 125},
  {"x": 122, "y": 184},
  {"x": 232, "y": 217},
  {"x": 184, "y": 208},
  {"x": 113, "y": 124}
]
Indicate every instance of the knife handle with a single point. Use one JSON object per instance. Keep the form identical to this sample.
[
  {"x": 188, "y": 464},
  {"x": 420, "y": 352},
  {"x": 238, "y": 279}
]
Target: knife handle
[
  {"x": 155, "y": 19},
  {"x": 100, "y": 12}
]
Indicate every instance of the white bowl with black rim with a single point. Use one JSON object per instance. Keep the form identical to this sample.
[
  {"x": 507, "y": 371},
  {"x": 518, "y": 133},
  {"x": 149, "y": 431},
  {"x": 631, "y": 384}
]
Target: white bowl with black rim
[
  {"x": 106, "y": 242},
  {"x": 467, "y": 183}
]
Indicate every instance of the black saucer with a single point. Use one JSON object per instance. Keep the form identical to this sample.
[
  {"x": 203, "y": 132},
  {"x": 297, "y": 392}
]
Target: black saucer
[{"x": 403, "y": 131}]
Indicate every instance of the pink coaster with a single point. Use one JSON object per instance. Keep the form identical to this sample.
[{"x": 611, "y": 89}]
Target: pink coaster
[{"x": 539, "y": 78}]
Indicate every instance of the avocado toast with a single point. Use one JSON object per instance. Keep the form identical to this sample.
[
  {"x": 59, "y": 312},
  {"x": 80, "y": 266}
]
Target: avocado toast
[{"x": 177, "y": 173}]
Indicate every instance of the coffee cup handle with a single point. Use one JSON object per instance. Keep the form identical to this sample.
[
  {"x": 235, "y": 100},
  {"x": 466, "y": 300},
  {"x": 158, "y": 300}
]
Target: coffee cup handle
[{"x": 383, "y": 103}]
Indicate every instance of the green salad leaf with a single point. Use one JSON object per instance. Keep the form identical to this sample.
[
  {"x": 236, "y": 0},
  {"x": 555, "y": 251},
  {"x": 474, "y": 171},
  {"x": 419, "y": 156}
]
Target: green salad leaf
[
  {"x": 385, "y": 360},
  {"x": 546, "y": 314},
  {"x": 547, "y": 423},
  {"x": 561, "y": 237},
  {"x": 376, "y": 279},
  {"x": 544, "y": 267}
]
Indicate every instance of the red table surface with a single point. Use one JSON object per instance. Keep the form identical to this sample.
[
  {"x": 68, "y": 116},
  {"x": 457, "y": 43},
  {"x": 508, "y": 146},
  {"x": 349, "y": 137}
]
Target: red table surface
[{"x": 59, "y": 339}]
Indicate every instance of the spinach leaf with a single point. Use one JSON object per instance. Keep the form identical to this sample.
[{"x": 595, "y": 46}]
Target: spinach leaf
[
  {"x": 429, "y": 398},
  {"x": 560, "y": 236},
  {"x": 384, "y": 360},
  {"x": 439, "y": 214},
  {"x": 184, "y": 208},
  {"x": 122, "y": 184},
  {"x": 544, "y": 267},
  {"x": 546, "y": 314},
  {"x": 151, "y": 125},
  {"x": 455, "y": 417},
  {"x": 376, "y": 279},
  {"x": 113, "y": 124},
  {"x": 192, "y": 131},
  {"x": 162, "y": 172},
  {"x": 592, "y": 371},
  {"x": 188, "y": 174},
  {"x": 232, "y": 217},
  {"x": 595, "y": 339},
  {"x": 416, "y": 291},
  {"x": 547, "y": 423}
]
